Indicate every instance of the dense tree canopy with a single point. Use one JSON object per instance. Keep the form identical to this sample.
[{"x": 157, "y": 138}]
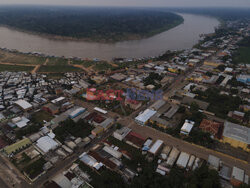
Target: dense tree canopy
[{"x": 99, "y": 24}]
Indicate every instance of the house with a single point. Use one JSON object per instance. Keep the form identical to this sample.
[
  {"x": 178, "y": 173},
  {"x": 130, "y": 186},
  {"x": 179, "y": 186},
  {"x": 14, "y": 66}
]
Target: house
[
  {"x": 236, "y": 135},
  {"x": 237, "y": 177},
  {"x": 133, "y": 104},
  {"x": 212, "y": 127},
  {"x": 121, "y": 133},
  {"x": 20, "y": 121},
  {"x": 187, "y": 127},
  {"x": 134, "y": 140},
  {"x": 97, "y": 131},
  {"x": 51, "y": 108}
]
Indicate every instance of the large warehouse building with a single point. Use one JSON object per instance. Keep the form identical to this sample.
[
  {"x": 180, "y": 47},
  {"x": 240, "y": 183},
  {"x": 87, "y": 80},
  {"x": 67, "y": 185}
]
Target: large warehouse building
[{"x": 236, "y": 135}]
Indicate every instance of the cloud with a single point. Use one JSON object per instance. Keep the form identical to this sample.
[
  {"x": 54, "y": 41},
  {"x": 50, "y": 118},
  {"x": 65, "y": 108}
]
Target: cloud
[{"x": 140, "y": 3}]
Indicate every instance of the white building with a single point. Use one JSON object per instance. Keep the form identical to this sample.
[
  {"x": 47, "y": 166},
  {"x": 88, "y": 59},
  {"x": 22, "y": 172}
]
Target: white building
[
  {"x": 46, "y": 144},
  {"x": 23, "y": 104},
  {"x": 142, "y": 118},
  {"x": 187, "y": 127},
  {"x": 183, "y": 160}
]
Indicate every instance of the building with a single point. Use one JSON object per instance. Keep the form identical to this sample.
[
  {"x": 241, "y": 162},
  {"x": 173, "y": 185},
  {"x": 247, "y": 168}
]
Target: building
[
  {"x": 97, "y": 131},
  {"x": 236, "y": 135},
  {"x": 214, "y": 162},
  {"x": 20, "y": 121},
  {"x": 212, "y": 127},
  {"x": 133, "y": 104},
  {"x": 46, "y": 143},
  {"x": 24, "y": 105},
  {"x": 13, "y": 148},
  {"x": 77, "y": 112},
  {"x": 58, "y": 100},
  {"x": 112, "y": 152},
  {"x": 142, "y": 118},
  {"x": 51, "y": 108},
  {"x": 135, "y": 140},
  {"x": 121, "y": 133},
  {"x": 183, "y": 160},
  {"x": 187, "y": 127},
  {"x": 211, "y": 63},
  {"x": 172, "y": 157},
  {"x": 244, "y": 79},
  {"x": 237, "y": 177},
  {"x": 158, "y": 104},
  {"x": 156, "y": 147}
]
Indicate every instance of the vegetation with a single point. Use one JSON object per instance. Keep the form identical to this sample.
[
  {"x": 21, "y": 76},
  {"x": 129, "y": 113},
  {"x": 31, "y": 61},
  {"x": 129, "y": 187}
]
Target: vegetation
[
  {"x": 40, "y": 116},
  {"x": 242, "y": 55},
  {"x": 30, "y": 129},
  {"x": 15, "y": 68},
  {"x": 58, "y": 68},
  {"x": 152, "y": 80},
  {"x": 96, "y": 24},
  {"x": 217, "y": 101},
  {"x": 35, "y": 168},
  {"x": 69, "y": 127}
]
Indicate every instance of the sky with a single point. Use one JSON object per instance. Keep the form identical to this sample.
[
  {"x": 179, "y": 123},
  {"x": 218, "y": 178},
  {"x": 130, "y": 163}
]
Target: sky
[{"x": 135, "y": 3}]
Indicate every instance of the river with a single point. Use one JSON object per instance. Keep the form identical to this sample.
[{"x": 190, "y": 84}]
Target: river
[{"x": 181, "y": 37}]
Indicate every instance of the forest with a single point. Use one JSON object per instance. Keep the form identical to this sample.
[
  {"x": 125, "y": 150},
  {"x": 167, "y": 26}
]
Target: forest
[{"x": 94, "y": 24}]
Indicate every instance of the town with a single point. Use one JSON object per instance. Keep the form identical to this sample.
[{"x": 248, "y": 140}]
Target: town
[{"x": 181, "y": 114}]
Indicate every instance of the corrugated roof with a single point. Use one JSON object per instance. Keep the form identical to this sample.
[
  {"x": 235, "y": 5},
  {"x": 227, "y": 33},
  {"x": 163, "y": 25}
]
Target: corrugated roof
[{"x": 237, "y": 132}]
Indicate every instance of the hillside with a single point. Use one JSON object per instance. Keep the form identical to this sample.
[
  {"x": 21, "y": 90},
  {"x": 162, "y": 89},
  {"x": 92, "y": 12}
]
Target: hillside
[{"x": 92, "y": 24}]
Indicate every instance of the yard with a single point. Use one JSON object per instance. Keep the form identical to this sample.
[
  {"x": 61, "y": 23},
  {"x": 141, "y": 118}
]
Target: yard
[{"x": 40, "y": 116}]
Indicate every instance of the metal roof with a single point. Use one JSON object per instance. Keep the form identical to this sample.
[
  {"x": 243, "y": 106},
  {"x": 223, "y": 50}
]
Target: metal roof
[
  {"x": 145, "y": 116},
  {"x": 236, "y": 132}
]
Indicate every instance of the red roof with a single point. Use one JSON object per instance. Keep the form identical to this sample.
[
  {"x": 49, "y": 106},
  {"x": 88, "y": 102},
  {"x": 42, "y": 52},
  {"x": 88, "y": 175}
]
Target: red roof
[
  {"x": 215, "y": 128},
  {"x": 90, "y": 116},
  {"x": 104, "y": 161},
  {"x": 132, "y": 101},
  {"x": 98, "y": 118},
  {"x": 135, "y": 138}
]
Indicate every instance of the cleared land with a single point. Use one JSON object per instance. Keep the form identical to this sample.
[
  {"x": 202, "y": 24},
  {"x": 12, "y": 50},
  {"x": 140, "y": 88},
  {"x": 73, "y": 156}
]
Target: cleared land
[{"x": 17, "y": 58}]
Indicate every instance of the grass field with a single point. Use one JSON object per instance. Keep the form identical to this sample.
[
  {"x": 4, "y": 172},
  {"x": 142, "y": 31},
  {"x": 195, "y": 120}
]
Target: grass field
[
  {"x": 102, "y": 66},
  {"x": 84, "y": 63},
  {"x": 243, "y": 55},
  {"x": 57, "y": 61},
  {"x": 58, "y": 69},
  {"x": 15, "y": 68},
  {"x": 17, "y": 58}
]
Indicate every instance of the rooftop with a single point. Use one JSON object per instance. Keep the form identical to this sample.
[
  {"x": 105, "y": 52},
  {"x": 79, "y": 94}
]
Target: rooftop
[{"x": 237, "y": 132}]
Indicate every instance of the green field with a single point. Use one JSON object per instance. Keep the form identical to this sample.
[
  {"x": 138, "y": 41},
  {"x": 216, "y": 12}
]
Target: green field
[
  {"x": 58, "y": 69},
  {"x": 57, "y": 61},
  {"x": 102, "y": 66},
  {"x": 84, "y": 63},
  {"x": 242, "y": 56},
  {"x": 15, "y": 68}
]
